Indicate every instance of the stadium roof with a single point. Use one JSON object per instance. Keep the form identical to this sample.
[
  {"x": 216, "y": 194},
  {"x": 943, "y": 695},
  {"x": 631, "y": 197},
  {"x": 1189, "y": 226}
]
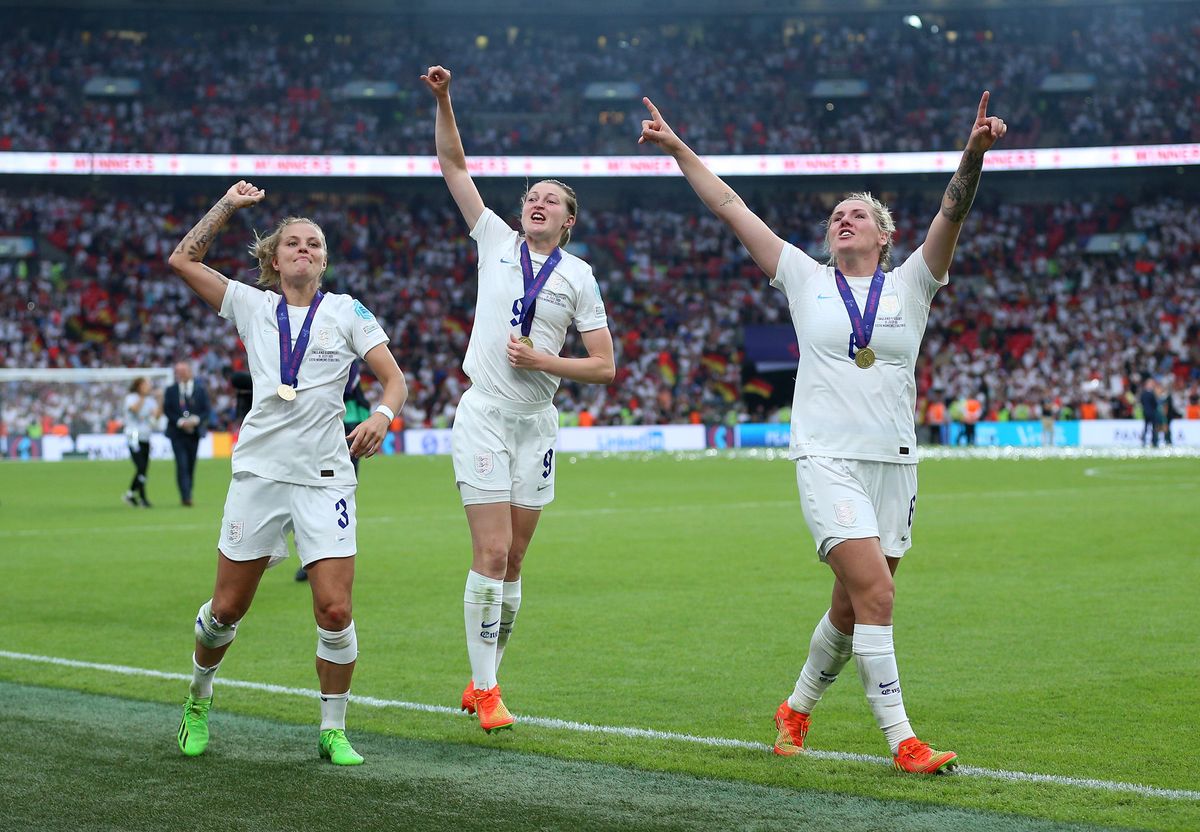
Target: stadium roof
[{"x": 562, "y": 7}]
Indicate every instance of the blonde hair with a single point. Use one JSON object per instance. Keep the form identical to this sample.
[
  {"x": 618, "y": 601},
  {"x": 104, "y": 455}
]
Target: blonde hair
[
  {"x": 263, "y": 250},
  {"x": 883, "y": 221},
  {"x": 572, "y": 203}
]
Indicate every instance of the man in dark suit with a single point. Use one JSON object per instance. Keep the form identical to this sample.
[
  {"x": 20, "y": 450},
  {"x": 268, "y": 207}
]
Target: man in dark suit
[{"x": 186, "y": 406}]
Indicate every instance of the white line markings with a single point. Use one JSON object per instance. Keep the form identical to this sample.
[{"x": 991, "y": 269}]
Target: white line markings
[{"x": 635, "y": 733}]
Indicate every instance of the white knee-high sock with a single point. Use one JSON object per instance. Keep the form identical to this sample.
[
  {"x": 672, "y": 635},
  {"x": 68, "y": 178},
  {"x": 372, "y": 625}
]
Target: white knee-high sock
[
  {"x": 510, "y": 603},
  {"x": 875, "y": 655},
  {"x": 333, "y": 710},
  {"x": 202, "y": 679},
  {"x": 828, "y": 652},
  {"x": 481, "y": 613}
]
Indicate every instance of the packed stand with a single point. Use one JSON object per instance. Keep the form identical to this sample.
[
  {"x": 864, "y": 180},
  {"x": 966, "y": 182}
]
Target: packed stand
[
  {"x": 253, "y": 86},
  {"x": 1031, "y": 322}
]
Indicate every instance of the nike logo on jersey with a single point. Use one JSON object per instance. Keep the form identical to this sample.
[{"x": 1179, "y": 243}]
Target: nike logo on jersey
[
  {"x": 824, "y": 297},
  {"x": 543, "y": 487},
  {"x": 508, "y": 262}
]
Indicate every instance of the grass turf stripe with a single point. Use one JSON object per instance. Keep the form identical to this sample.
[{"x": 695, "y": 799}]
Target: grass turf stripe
[{"x": 634, "y": 733}]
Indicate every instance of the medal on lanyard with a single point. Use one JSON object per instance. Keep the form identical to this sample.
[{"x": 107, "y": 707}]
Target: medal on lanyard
[
  {"x": 289, "y": 358},
  {"x": 861, "y": 325},
  {"x": 533, "y": 285}
]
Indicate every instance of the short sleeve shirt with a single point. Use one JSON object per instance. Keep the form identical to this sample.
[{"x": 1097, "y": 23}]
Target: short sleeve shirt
[
  {"x": 570, "y": 296},
  {"x": 301, "y": 441},
  {"x": 838, "y": 409}
]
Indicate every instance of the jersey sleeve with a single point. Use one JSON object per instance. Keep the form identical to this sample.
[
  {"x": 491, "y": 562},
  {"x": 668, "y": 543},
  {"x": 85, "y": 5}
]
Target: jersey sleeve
[
  {"x": 589, "y": 311},
  {"x": 492, "y": 234},
  {"x": 914, "y": 273},
  {"x": 364, "y": 332},
  {"x": 794, "y": 270},
  {"x": 239, "y": 302}
]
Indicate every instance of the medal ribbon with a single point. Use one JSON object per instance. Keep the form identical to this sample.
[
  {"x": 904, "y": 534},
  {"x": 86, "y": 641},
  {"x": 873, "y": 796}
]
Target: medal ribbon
[
  {"x": 289, "y": 359},
  {"x": 861, "y": 325},
  {"x": 533, "y": 285}
]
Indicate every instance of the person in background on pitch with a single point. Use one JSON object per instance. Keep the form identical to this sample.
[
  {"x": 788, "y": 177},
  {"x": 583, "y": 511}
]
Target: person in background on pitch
[
  {"x": 142, "y": 409},
  {"x": 358, "y": 410},
  {"x": 185, "y": 404},
  {"x": 291, "y": 466},
  {"x": 859, "y": 328},
  {"x": 506, "y": 425},
  {"x": 1150, "y": 412}
]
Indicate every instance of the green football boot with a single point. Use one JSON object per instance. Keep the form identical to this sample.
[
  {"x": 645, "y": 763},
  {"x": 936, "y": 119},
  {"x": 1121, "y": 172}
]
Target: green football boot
[
  {"x": 335, "y": 748},
  {"x": 193, "y": 728}
]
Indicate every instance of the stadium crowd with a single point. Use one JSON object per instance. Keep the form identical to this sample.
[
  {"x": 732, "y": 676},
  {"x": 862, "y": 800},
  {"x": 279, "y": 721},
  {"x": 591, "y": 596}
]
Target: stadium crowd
[
  {"x": 1033, "y": 321},
  {"x": 1128, "y": 76}
]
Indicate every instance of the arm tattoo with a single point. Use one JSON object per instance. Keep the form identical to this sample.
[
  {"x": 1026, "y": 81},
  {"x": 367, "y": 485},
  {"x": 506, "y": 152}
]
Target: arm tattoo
[
  {"x": 960, "y": 193},
  {"x": 224, "y": 280},
  {"x": 728, "y": 198},
  {"x": 197, "y": 241}
]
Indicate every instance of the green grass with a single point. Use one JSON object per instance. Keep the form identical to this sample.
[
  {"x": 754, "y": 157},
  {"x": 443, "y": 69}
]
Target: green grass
[{"x": 1046, "y": 622}]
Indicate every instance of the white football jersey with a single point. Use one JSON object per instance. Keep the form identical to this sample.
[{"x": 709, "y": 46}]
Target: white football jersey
[
  {"x": 301, "y": 441},
  {"x": 838, "y": 409},
  {"x": 139, "y": 421},
  {"x": 570, "y": 295}
]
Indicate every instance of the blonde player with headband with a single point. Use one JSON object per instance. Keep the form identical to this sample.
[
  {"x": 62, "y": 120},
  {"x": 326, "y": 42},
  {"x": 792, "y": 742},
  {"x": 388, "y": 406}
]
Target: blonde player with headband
[
  {"x": 530, "y": 291},
  {"x": 859, "y": 329},
  {"x": 291, "y": 467}
]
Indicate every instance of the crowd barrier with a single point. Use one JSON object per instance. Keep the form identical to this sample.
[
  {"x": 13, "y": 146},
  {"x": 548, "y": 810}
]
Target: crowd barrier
[{"x": 1099, "y": 433}]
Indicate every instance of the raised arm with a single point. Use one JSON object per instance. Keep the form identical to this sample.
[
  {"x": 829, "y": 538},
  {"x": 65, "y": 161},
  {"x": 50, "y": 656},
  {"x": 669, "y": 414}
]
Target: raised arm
[
  {"x": 960, "y": 193},
  {"x": 762, "y": 243},
  {"x": 187, "y": 258},
  {"x": 451, "y": 157}
]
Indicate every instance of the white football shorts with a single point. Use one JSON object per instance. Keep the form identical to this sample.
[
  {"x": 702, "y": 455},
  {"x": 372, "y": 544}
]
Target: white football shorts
[
  {"x": 848, "y": 499},
  {"x": 259, "y": 513},
  {"x": 503, "y": 450}
]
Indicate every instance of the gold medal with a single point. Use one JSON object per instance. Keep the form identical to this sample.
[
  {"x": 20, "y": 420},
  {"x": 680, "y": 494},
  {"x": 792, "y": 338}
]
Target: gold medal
[
  {"x": 526, "y": 340},
  {"x": 286, "y": 392},
  {"x": 865, "y": 358}
]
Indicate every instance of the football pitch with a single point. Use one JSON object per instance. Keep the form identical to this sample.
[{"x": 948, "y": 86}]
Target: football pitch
[{"x": 1047, "y": 629}]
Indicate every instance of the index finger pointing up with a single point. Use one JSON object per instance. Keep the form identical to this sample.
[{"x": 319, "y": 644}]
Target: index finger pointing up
[
  {"x": 983, "y": 102},
  {"x": 650, "y": 106}
]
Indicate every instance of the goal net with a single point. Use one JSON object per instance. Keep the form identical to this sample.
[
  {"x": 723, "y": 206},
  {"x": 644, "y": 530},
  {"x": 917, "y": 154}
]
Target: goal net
[{"x": 56, "y": 413}]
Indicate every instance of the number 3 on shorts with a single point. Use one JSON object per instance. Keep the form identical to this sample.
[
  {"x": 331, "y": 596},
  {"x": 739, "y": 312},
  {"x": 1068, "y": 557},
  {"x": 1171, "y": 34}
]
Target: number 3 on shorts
[
  {"x": 548, "y": 464},
  {"x": 343, "y": 518}
]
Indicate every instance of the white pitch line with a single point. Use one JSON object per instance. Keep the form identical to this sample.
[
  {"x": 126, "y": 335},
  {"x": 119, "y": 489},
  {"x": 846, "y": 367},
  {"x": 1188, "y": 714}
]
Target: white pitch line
[{"x": 635, "y": 733}]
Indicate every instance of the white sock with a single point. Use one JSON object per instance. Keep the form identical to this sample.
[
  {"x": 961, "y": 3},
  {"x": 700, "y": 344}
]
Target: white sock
[
  {"x": 875, "y": 655},
  {"x": 481, "y": 614},
  {"x": 510, "y": 603},
  {"x": 333, "y": 710},
  {"x": 828, "y": 652},
  {"x": 202, "y": 679}
]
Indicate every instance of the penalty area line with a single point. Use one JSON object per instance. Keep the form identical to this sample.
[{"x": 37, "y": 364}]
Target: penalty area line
[{"x": 614, "y": 730}]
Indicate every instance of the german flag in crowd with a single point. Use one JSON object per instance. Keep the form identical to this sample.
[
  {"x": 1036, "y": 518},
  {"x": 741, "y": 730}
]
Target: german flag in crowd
[
  {"x": 668, "y": 367},
  {"x": 725, "y": 390},
  {"x": 716, "y": 363},
  {"x": 758, "y": 387}
]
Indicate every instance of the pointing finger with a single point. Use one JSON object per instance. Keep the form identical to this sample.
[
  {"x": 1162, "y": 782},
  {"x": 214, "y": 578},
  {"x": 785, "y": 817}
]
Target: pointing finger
[
  {"x": 653, "y": 110},
  {"x": 983, "y": 102}
]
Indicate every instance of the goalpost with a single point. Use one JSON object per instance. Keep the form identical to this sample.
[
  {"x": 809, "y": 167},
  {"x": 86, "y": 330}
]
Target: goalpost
[{"x": 52, "y": 413}]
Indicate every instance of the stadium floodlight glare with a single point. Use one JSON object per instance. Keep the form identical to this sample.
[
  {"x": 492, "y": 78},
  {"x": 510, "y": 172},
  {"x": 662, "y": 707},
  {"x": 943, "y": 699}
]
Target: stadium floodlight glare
[{"x": 913, "y": 21}]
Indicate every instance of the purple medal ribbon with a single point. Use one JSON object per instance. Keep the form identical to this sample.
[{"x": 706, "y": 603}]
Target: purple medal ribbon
[
  {"x": 289, "y": 359},
  {"x": 861, "y": 325},
  {"x": 533, "y": 285}
]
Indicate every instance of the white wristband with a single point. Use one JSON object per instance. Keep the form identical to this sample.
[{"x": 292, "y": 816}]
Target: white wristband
[{"x": 386, "y": 411}]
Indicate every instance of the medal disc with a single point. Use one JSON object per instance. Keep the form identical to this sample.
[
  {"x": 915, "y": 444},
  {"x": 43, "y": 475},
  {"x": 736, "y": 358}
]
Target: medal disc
[
  {"x": 864, "y": 358},
  {"x": 286, "y": 392},
  {"x": 526, "y": 340}
]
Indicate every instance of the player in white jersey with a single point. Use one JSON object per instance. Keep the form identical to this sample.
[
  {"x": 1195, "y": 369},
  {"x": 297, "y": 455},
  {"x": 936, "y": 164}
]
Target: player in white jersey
[
  {"x": 530, "y": 291},
  {"x": 859, "y": 329},
  {"x": 142, "y": 409},
  {"x": 291, "y": 466}
]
